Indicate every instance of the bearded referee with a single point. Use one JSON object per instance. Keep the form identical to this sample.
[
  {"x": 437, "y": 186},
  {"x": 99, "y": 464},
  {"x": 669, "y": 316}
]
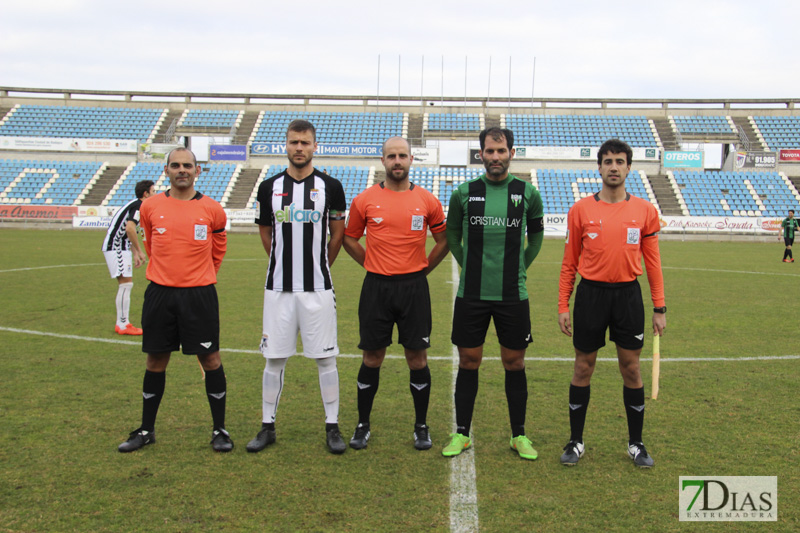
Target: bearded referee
[
  {"x": 184, "y": 234},
  {"x": 608, "y": 233},
  {"x": 396, "y": 215}
]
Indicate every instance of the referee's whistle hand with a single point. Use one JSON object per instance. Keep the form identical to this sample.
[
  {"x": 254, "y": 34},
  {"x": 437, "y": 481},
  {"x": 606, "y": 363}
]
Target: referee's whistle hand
[{"x": 564, "y": 324}]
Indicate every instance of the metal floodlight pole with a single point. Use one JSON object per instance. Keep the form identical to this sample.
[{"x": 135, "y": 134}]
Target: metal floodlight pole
[
  {"x": 442, "y": 95},
  {"x": 422, "y": 84},
  {"x": 509, "y": 84},
  {"x": 489, "y": 88},
  {"x": 378, "y": 91}
]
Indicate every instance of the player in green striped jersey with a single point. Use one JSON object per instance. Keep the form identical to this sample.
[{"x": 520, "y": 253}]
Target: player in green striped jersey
[
  {"x": 790, "y": 226},
  {"x": 488, "y": 222}
]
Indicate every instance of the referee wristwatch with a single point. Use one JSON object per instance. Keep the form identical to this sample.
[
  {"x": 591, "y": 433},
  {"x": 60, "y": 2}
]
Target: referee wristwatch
[{"x": 661, "y": 310}]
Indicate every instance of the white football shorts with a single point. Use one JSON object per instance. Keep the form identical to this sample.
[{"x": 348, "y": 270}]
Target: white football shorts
[
  {"x": 120, "y": 263},
  {"x": 312, "y": 314}
]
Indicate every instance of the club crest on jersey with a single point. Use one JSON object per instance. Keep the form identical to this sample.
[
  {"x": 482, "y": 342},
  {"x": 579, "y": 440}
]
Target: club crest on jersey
[
  {"x": 633, "y": 235},
  {"x": 516, "y": 199},
  {"x": 200, "y": 232},
  {"x": 314, "y": 195}
]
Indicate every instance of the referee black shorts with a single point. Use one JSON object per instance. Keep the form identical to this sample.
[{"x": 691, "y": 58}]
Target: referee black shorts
[
  {"x": 404, "y": 300},
  {"x": 617, "y": 307},
  {"x": 512, "y": 321},
  {"x": 175, "y": 317}
]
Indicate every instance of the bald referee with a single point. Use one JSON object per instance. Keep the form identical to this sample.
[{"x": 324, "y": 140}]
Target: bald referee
[{"x": 396, "y": 215}]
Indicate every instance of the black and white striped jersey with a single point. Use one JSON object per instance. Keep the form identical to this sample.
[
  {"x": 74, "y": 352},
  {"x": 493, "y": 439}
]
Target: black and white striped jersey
[
  {"x": 116, "y": 237},
  {"x": 299, "y": 213}
]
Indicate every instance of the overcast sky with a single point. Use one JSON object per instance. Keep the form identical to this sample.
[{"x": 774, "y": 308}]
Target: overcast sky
[{"x": 624, "y": 49}]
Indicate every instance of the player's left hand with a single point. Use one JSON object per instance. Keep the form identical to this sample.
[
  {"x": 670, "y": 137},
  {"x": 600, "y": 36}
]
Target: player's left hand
[{"x": 659, "y": 323}]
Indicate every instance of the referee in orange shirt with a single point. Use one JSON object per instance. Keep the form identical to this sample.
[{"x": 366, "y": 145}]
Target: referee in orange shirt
[
  {"x": 184, "y": 235},
  {"x": 396, "y": 215},
  {"x": 608, "y": 233}
]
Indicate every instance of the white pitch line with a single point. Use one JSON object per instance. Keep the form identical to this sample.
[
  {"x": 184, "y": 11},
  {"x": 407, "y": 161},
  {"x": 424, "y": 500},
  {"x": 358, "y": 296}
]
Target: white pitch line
[
  {"x": 434, "y": 358},
  {"x": 26, "y": 269},
  {"x": 463, "y": 488},
  {"x": 731, "y": 271},
  {"x": 50, "y": 266}
]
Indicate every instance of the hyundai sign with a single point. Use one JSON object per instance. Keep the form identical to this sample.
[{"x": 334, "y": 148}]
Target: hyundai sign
[{"x": 346, "y": 150}]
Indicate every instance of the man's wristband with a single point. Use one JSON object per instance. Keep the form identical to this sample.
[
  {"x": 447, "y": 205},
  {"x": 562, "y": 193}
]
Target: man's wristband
[{"x": 661, "y": 310}]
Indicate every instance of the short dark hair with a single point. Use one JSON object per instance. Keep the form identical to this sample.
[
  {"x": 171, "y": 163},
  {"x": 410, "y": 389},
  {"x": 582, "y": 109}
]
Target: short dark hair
[
  {"x": 498, "y": 134},
  {"x": 181, "y": 149},
  {"x": 791, "y": 211},
  {"x": 142, "y": 187},
  {"x": 300, "y": 125},
  {"x": 614, "y": 146}
]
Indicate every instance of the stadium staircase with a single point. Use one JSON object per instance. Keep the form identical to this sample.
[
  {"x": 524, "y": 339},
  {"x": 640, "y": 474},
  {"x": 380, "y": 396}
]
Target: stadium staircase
[
  {"x": 493, "y": 121},
  {"x": 666, "y": 198},
  {"x": 747, "y": 127},
  {"x": 4, "y": 111},
  {"x": 380, "y": 175},
  {"x": 161, "y": 134},
  {"x": 666, "y": 134},
  {"x": 244, "y": 187},
  {"x": 246, "y": 128},
  {"x": 103, "y": 186},
  {"x": 795, "y": 181},
  {"x": 415, "y": 136}
]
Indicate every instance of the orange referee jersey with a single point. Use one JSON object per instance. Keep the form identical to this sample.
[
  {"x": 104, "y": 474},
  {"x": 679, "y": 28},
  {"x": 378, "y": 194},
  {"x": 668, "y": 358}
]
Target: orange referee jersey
[
  {"x": 397, "y": 225},
  {"x": 185, "y": 240},
  {"x": 606, "y": 243}
]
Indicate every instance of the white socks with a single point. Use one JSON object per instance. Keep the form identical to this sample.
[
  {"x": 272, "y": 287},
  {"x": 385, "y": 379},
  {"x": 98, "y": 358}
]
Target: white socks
[
  {"x": 124, "y": 303},
  {"x": 329, "y": 388},
  {"x": 271, "y": 387}
]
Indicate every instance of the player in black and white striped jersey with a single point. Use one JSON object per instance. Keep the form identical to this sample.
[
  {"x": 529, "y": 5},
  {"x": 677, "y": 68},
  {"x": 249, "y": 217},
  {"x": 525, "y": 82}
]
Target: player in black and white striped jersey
[
  {"x": 122, "y": 252},
  {"x": 301, "y": 222}
]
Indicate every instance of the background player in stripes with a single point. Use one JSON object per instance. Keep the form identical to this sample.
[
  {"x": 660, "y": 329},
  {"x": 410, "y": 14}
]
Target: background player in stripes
[
  {"x": 607, "y": 235},
  {"x": 297, "y": 210},
  {"x": 789, "y": 226},
  {"x": 486, "y": 231},
  {"x": 184, "y": 233},
  {"x": 396, "y": 215},
  {"x": 122, "y": 252}
]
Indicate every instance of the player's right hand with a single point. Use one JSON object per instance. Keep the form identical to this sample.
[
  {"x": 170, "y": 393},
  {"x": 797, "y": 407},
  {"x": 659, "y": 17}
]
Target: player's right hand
[{"x": 565, "y": 324}]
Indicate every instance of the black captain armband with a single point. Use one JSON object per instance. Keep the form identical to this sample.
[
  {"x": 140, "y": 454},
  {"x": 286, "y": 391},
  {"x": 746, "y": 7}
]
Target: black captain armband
[{"x": 536, "y": 225}]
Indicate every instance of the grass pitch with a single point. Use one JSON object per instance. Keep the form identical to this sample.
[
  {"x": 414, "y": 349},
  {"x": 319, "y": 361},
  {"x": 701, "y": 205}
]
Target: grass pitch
[{"x": 71, "y": 393}]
